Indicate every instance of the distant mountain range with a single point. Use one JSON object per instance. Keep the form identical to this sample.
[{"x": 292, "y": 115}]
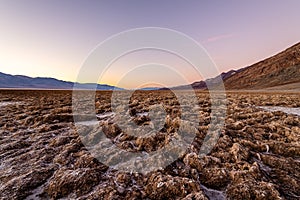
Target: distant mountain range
[
  {"x": 212, "y": 81},
  {"x": 281, "y": 71},
  {"x": 19, "y": 81}
]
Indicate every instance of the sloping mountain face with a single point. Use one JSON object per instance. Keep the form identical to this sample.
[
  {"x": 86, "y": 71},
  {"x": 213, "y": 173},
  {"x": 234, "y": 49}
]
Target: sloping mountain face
[
  {"x": 280, "y": 69},
  {"x": 18, "y": 81}
]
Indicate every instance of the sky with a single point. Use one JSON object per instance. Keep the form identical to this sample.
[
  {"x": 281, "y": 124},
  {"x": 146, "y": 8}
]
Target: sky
[{"x": 53, "y": 38}]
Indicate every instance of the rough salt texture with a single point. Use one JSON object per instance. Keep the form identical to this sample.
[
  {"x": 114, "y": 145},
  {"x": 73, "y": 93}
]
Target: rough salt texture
[
  {"x": 294, "y": 111},
  {"x": 257, "y": 155}
]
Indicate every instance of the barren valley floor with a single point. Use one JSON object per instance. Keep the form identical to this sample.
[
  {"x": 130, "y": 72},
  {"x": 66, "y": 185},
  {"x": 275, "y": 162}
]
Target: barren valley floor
[{"x": 257, "y": 155}]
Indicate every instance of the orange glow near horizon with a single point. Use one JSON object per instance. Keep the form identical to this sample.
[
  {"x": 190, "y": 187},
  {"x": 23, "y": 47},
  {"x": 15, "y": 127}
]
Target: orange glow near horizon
[{"x": 142, "y": 67}]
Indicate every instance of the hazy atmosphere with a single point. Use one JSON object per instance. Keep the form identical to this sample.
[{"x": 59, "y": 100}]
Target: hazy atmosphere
[{"x": 53, "y": 38}]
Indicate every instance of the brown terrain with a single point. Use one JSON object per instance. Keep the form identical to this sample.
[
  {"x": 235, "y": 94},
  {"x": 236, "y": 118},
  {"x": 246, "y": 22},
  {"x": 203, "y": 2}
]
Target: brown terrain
[{"x": 257, "y": 155}]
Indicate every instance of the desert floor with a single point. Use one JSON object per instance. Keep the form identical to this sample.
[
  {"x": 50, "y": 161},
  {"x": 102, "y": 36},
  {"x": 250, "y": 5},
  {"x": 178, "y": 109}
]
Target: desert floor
[{"x": 257, "y": 154}]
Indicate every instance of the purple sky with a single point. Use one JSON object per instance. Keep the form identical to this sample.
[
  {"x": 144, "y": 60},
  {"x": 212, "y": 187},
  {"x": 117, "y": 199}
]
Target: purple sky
[{"x": 52, "y": 38}]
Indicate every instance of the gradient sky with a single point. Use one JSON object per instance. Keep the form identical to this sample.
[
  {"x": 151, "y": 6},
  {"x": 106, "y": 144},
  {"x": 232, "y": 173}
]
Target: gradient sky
[{"x": 52, "y": 38}]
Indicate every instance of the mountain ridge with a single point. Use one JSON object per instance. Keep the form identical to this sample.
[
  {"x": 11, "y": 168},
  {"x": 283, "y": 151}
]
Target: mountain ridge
[
  {"x": 278, "y": 70},
  {"x": 8, "y": 81}
]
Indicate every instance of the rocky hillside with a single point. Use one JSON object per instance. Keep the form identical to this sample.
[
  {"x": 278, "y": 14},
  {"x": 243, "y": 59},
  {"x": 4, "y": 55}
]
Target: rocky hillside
[{"x": 280, "y": 69}]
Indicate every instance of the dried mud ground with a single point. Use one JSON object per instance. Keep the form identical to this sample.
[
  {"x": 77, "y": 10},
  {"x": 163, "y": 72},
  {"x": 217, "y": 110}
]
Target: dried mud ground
[{"x": 257, "y": 155}]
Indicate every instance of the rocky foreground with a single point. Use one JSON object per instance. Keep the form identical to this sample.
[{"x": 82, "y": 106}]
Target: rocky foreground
[{"x": 257, "y": 155}]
